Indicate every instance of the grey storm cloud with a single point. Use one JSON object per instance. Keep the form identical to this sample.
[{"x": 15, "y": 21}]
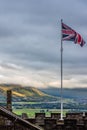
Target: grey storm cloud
[{"x": 30, "y": 37}]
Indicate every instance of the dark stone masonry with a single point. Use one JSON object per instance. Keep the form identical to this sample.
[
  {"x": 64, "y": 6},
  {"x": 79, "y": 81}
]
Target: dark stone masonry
[{"x": 72, "y": 121}]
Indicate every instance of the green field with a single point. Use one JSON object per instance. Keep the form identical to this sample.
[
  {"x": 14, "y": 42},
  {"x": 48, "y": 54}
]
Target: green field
[{"x": 31, "y": 112}]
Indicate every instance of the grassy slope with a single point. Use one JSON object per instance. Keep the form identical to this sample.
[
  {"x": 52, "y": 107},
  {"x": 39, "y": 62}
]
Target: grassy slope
[{"x": 20, "y": 91}]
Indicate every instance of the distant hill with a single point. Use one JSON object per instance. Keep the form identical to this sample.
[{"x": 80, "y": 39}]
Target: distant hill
[
  {"x": 72, "y": 93},
  {"x": 25, "y": 92}
]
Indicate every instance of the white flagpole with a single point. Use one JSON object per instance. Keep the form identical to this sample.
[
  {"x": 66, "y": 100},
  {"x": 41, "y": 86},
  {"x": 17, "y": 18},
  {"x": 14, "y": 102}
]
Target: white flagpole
[{"x": 61, "y": 75}]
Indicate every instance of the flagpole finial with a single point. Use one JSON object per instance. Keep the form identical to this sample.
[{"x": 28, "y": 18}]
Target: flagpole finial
[{"x": 61, "y": 20}]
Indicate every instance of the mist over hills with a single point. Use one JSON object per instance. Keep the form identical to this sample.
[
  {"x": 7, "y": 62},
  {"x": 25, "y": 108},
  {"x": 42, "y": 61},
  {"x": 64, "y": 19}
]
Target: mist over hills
[
  {"x": 75, "y": 93},
  {"x": 29, "y": 91}
]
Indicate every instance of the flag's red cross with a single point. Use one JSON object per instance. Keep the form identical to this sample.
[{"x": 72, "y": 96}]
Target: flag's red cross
[{"x": 71, "y": 35}]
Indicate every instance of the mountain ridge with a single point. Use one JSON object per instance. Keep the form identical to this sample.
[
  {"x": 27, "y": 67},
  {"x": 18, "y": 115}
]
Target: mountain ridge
[
  {"x": 72, "y": 93},
  {"x": 21, "y": 91},
  {"x": 25, "y": 93}
]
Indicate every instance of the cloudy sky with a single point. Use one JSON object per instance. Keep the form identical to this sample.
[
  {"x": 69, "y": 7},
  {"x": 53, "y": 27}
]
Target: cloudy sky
[{"x": 30, "y": 35}]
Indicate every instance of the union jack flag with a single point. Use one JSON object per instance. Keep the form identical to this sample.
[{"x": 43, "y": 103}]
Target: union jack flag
[{"x": 71, "y": 35}]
